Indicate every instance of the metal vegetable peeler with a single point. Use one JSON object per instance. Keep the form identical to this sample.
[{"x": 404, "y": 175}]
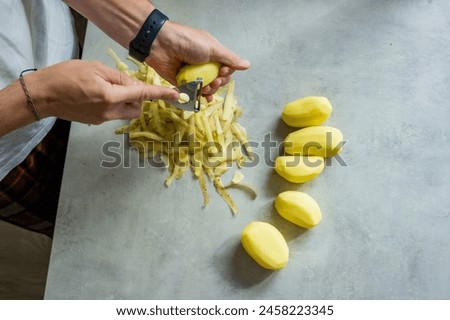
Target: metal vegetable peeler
[{"x": 194, "y": 91}]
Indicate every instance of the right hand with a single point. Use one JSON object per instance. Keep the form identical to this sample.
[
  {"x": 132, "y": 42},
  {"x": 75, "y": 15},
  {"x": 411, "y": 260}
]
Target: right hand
[{"x": 90, "y": 92}]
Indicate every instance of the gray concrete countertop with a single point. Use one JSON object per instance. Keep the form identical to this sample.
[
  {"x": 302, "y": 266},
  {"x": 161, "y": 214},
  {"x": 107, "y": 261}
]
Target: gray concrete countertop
[{"x": 385, "y": 67}]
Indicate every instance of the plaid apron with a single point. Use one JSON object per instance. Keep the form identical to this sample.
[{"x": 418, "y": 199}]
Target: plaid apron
[{"x": 29, "y": 193}]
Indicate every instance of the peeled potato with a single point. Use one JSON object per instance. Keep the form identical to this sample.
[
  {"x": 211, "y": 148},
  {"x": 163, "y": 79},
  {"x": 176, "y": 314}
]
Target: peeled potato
[
  {"x": 298, "y": 208},
  {"x": 319, "y": 141},
  {"x": 207, "y": 71},
  {"x": 307, "y": 111},
  {"x": 266, "y": 245},
  {"x": 299, "y": 169}
]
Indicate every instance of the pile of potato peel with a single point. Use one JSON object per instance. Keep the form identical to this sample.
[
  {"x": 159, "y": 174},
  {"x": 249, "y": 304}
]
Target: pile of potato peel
[{"x": 208, "y": 142}]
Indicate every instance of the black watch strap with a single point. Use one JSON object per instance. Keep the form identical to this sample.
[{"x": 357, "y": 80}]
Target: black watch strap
[{"x": 140, "y": 46}]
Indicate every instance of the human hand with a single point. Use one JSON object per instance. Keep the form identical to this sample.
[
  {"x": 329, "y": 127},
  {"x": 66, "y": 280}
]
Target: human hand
[
  {"x": 177, "y": 45},
  {"x": 90, "y": 92}
]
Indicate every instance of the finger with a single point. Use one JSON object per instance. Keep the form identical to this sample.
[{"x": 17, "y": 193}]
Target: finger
[
  {"x": 208, "y": 90},
  {"x": 117, "y": 77},
  {"x": 216, "y": 84},
  {"x": 135, "y": 105},
  {"x": 141, "y": 92},
  {"x": 227, "y": 57},
  {"x": 124, "y": 111},
  {"x": 209, "y": 98},
  {"x": 221, "y": 82},
  {"x": 225, "y": 71},
  {"x": 213, "y": 86}
]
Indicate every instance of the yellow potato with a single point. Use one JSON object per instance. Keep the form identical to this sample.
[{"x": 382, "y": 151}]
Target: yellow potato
[
  {"x": 319, "y": 141},
  {"x": 299, "y": 169},
  {"x": 207, "y": 71},
  {"x": 307, "y": 111},
  {"x": 266, "y": 245},
  {"x": 298, "y": 208}
]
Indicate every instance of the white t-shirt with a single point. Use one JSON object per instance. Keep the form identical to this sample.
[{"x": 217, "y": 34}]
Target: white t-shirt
[{"x": 33, "y": 34}]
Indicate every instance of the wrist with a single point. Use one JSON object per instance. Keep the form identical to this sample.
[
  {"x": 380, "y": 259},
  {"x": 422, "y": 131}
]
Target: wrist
[
  {"x": 30, "y": 101},
  {"x": 39, "y": 85},
  {"x": 165, "y": 39},
  {"x": 13, "y": 108},
  {"x": 166, "y": 48}
]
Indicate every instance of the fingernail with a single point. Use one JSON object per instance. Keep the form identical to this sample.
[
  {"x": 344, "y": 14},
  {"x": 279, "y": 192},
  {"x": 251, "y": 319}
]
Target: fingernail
[{"x": 246, "y": 63}]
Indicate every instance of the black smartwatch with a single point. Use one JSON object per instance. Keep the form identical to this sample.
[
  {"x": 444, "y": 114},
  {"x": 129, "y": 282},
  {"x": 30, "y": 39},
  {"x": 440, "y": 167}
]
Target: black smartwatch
[{"x": 140, "y": 46}]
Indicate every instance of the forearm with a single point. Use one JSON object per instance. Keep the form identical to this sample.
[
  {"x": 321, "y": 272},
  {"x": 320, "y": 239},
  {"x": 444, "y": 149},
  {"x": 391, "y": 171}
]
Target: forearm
[
  {"x": 14, "y": 111},
  {"x": 175, "y": 45},
  {"x": 119, "y": 19}
]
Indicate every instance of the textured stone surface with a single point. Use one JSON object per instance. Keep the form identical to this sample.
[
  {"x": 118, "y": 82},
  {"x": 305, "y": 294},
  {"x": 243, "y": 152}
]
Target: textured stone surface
[{"x": 386, "y": 219}]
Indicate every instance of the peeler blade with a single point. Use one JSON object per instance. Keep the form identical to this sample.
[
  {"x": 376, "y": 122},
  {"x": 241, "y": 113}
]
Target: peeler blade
[{"x": 193, "y": 90}]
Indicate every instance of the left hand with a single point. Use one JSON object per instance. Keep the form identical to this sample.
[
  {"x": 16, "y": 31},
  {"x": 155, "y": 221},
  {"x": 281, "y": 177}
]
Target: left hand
[{"x": 177, "y": 45}]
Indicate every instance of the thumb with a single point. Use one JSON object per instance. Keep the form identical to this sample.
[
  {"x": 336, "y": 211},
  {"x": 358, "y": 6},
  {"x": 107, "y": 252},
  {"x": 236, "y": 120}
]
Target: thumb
[
  {"x": 141, "y": 92},
  {"x": 229, "y": 58}
]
